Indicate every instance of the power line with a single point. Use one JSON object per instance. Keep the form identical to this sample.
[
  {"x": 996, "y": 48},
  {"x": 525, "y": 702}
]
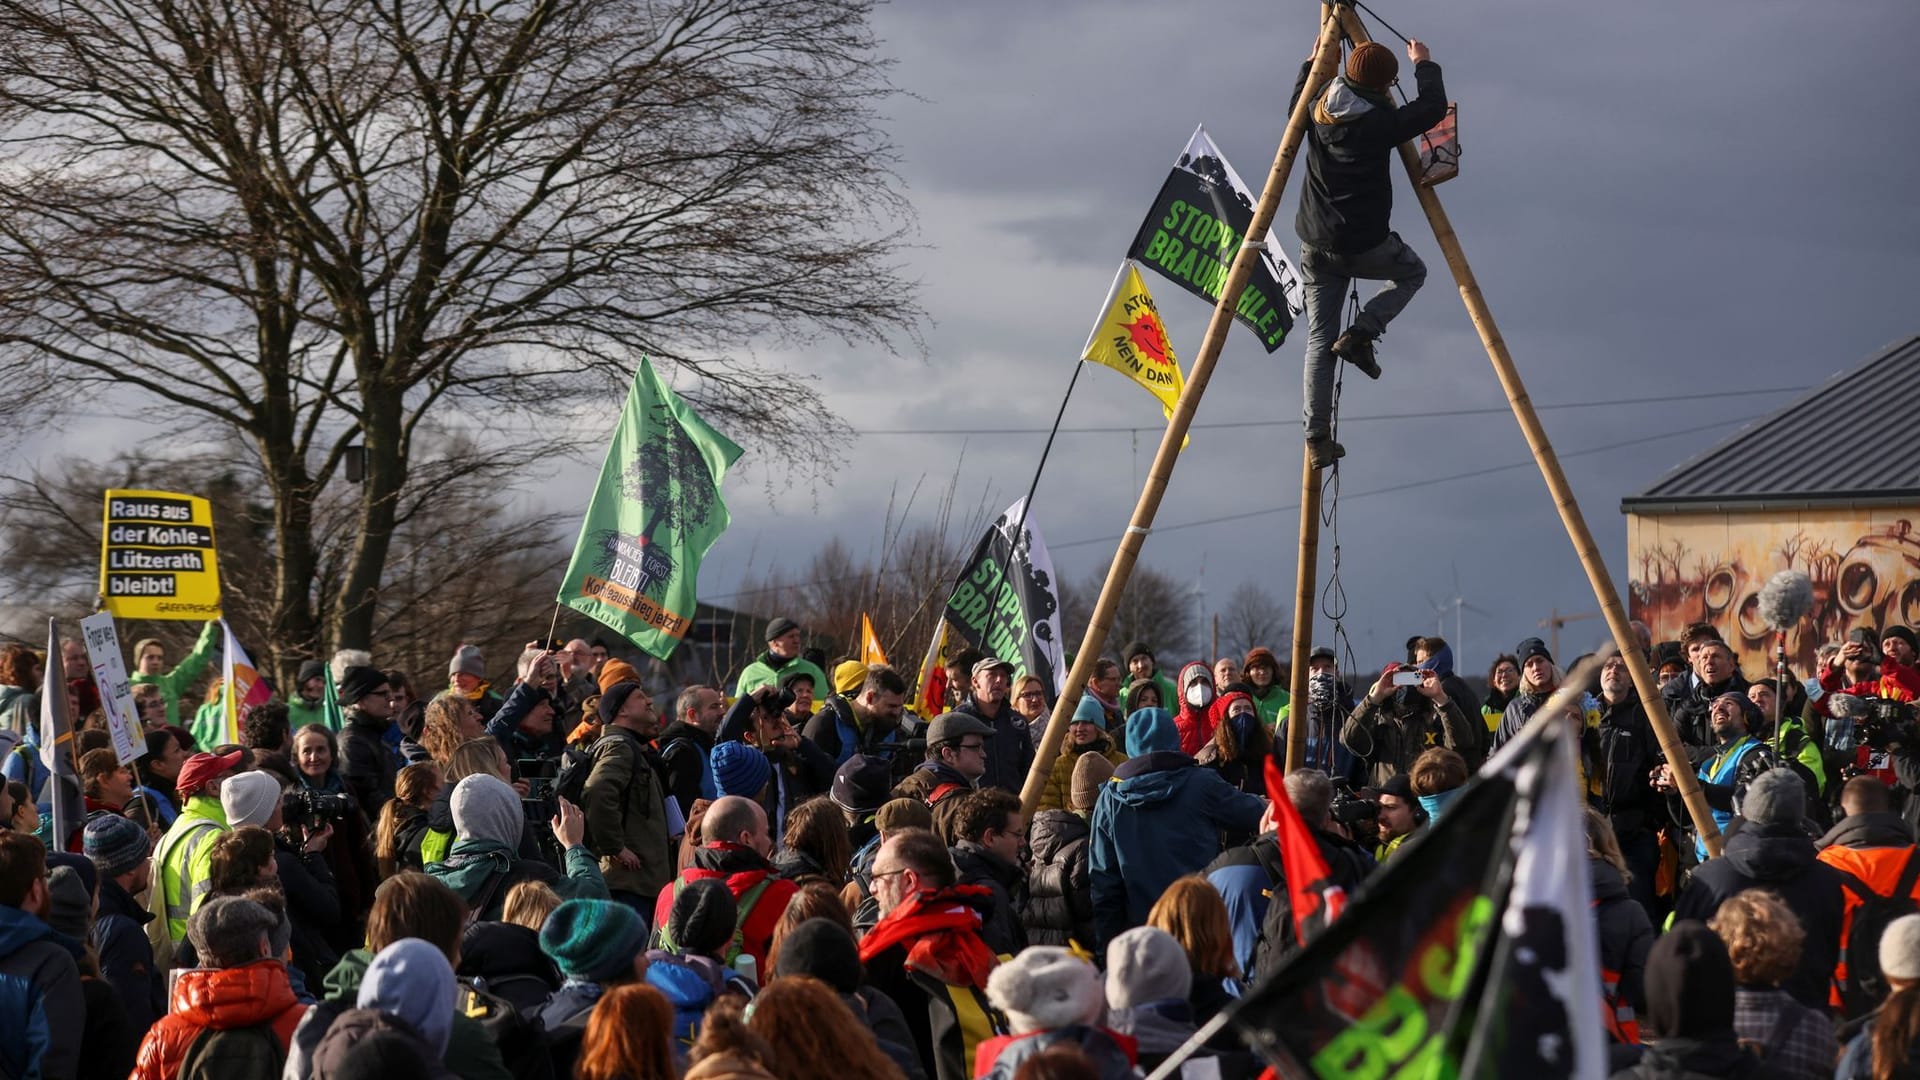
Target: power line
[
  {"x": 1422, "y": 415},
  {"x": 1391, "y": 489},
  {"x": 1411, "y": 484}
]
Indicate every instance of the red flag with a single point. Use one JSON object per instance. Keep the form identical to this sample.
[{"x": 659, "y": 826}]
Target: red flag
[{"x": 1309, "y": 886}]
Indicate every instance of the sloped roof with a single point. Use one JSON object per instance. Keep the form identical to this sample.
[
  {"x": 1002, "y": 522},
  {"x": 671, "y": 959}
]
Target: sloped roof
[{"x": 1854, "y": 440}]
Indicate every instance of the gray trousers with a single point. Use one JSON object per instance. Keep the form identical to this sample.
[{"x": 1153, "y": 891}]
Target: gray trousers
[{"x": 1325, "y": 276}]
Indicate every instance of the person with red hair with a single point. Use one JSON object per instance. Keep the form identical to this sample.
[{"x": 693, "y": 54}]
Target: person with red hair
[{"x": 629, "y": 1037}]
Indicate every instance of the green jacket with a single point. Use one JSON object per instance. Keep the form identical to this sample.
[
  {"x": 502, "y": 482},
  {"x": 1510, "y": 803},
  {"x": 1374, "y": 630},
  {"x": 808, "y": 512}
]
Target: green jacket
[
  {"x": 762, "y": 673},
  {"x": 470, "y": 1055},
  {"x": 1169, "y": 698},
  {"x": 1272, "y": 705},
  {"x": 300, "y": 714},
  {"x": 209, "y": 724},
  {"x": 181, "y": 678},
  {"x": 185, "y": 858},
  {"x": 471, "y": 864}
]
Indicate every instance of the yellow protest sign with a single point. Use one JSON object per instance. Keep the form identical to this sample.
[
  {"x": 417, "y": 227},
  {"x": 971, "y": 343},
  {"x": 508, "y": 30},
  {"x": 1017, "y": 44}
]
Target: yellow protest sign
[{"x": 156, "y": 557}]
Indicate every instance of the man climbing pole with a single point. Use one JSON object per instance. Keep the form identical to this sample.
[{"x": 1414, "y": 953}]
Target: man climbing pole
[{"x": 1343, "y": 218}]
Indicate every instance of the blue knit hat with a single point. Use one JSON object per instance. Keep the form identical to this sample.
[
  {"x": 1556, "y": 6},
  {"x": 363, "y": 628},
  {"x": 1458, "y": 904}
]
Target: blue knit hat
[
  {"x": 594, "y": 940},
  {"x": 739, "y": 769},
  {"x": 1149, "y": 730},
  {"x": 1089, "y": 712},
  {"x": 115, "y": 844}
]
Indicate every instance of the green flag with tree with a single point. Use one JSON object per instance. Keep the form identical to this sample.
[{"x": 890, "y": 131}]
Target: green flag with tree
[{"x": 654, "y": 514}]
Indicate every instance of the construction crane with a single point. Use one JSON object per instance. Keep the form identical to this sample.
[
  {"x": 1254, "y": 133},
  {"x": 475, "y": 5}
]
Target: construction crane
[{"x": 1553, "y": 622}]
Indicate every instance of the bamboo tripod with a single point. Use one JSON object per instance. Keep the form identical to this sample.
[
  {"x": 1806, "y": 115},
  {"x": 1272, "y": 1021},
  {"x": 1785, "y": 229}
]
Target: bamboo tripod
[
  {"x": 1571, "y": 517},
  {"x": 1326, "y": 60}
]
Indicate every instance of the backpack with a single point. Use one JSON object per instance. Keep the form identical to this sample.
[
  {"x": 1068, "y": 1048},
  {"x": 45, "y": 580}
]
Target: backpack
[
  {"x": 243, "y": 1053},
  {"x": 570, "y": 781},
  {"x": 518, "y": 1035},
  {"x": 663, "y": 939},
  {"x": 1866, "y": 987}
]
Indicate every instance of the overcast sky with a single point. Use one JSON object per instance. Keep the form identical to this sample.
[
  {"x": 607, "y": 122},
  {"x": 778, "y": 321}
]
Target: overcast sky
[{"x": 1687, "y": 202}]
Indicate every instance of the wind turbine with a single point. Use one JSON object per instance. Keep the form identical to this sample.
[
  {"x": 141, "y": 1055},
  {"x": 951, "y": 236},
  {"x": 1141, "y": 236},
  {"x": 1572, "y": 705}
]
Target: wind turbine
[{"x": 1457, "y": 603}]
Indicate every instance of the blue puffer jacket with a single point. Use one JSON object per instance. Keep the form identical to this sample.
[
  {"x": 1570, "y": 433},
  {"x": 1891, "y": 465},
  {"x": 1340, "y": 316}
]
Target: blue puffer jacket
[{"x": 1159, "y": 818}]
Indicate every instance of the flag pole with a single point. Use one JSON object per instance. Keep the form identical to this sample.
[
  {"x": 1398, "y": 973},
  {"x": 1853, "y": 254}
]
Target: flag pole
[
  {"x": 1325, "y": 59},
  {"x": 1026, "y": 505},
  {"x": 1574, "y": 521}
]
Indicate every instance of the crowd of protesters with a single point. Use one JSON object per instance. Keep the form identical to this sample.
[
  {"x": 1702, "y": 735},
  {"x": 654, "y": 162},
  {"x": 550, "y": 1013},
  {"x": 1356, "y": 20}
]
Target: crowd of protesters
[{"x": 562, "y": 874}]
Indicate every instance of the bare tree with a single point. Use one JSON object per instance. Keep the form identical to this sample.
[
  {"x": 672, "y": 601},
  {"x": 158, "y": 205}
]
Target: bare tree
[
  {"x": 325, "y": 226},
  {"x": 1254, "y": 618},
  {"x": 462, "y": 570},
  {"x": 1157, "y": 608}
]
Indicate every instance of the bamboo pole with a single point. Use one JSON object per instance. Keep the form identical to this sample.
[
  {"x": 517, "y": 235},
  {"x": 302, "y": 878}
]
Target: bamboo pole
[
  {"x": 1297, "y": 717},
  {"x": 1563, "y": 499},
  {"x": 1325, "y": 60}
]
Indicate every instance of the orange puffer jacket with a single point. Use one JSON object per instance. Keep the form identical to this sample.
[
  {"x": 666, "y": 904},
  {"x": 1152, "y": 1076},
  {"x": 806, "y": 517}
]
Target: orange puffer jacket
[{"x": 222, "y": 999}]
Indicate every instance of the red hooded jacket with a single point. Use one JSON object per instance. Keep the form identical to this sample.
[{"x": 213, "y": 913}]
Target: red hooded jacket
[
  {"x": 221, "y": 999},
  {"x": 1195, "y": 725}
]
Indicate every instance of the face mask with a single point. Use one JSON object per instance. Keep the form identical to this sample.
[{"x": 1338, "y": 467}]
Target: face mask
[{"x": 1199, "y": 695}]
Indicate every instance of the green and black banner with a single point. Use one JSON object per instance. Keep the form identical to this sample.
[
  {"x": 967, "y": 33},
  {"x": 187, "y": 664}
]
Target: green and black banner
[{"x": 1194, "y": 231}]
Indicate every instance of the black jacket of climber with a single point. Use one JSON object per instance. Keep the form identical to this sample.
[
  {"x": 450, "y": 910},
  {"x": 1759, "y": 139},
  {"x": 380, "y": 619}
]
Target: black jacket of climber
[{"x": 1347, "y": 199}]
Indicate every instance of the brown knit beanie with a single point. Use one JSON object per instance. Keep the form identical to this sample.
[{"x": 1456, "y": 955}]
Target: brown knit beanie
[
  {"x": 1092, "y": 770},
  {"x": 1373, "y": 66}
]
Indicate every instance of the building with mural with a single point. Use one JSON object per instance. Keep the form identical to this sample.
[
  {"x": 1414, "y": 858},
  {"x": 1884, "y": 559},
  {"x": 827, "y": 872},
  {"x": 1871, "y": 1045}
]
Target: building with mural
[{"x": 1829, "y": 485}]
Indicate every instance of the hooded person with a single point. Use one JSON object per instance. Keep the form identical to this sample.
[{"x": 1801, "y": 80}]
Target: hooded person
[
  {"x": 1149, "y": 980},
  {"x": 1051, "y": 997},
  {"x": 1240, "y": 744},
  {"x": 1194, "y": 716},
  {"x": 1435, "y": 655},
  {"x": 1771, "y": 851},
  {"x": 1158, "y": 819},
  {"x": 484, "y": 861},
  {"x": 1690, "y": 994},
  {"x": 1346, "y": 203},
  {"x": 408, "y": 990},
  {"x": 1059, "y": 901}
]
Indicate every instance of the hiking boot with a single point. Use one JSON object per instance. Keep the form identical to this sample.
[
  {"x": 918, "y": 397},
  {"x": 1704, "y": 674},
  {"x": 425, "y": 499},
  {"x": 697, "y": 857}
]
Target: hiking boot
[
  {"x": 1356, "y": 348},
  {"x": 1324, "y": 452}
]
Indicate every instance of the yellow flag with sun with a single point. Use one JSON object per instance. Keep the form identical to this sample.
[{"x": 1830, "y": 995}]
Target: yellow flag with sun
[{"x": 1131, "y": 340}]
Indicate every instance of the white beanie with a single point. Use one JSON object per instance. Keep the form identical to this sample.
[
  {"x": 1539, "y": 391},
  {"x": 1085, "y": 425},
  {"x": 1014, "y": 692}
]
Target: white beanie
[
  {"x": 249, "y": 798},
  {"x": 1046, "y": 987},
  {"x": 1146, "y": 965},
  {"x": 1900, "y": 948}
]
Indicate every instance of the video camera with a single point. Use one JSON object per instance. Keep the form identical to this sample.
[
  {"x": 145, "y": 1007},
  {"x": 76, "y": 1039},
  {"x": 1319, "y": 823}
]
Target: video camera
[
  {"x": 310, "y": 811},
  {"x": 1886, "y": 723},
  {"x": 1349, "y": 808},
  {"x": 540, "y": 773}
]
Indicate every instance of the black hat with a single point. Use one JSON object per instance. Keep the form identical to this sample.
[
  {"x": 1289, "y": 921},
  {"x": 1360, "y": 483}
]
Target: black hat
[
  {"x": 1669, "y": 652},
  {"x": 1530, "y": 648},
  {"x": 1689, "y": 983},
  {"x": 861, "y": 784},
  {"x": 1400, "y": 786},
  {"x": 613, "y": 697},
  {"x": 703, "y": 916},
  {"x": 358, "y": 682},
  {"x": 823, "y": 949},
  {"x": 1903, "y": 634},
  {"x": 1321, "y": 652},
  {"x": 311, "y": 669},
  {"x": 781, "y": 627},
  {"x": 1136, "y": 648}
]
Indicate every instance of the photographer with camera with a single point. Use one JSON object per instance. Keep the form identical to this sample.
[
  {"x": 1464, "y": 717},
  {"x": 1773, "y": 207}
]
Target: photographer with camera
[
  {"x": 1406, "y": 711},
  {"x": 322, "y": 795},
  {"x": 1252, "y": 878},
  {"x": 322, "y": 928},
  {"x": 801, "y": 770},
  {"x": 1861, "y": 677}
]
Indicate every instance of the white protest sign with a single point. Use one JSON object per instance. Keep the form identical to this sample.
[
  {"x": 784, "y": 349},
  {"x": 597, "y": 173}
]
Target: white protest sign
[{"x": 116, "y": 693}]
